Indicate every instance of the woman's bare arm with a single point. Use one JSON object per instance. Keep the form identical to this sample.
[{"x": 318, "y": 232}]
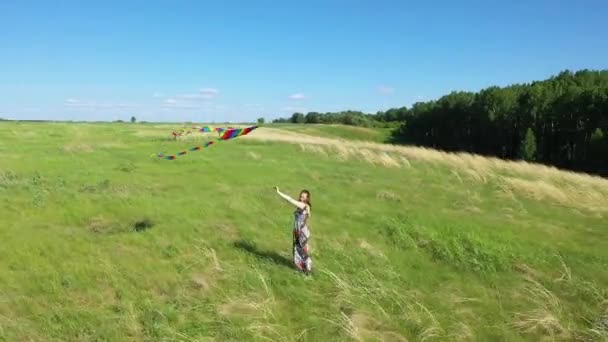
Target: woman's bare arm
[{"x": 298, "y": 204}]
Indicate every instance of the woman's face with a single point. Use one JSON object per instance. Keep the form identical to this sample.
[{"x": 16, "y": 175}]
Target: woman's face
[{"x": 304, "y": 197}]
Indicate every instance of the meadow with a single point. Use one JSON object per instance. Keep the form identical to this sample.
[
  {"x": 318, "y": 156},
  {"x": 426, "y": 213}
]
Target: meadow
[
  {"x": 357, "y": 133},
  {"x": 103, "y": 241}
]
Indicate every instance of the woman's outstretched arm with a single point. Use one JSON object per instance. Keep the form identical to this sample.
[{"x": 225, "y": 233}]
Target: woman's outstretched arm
[{"x": 298, "y": 204}]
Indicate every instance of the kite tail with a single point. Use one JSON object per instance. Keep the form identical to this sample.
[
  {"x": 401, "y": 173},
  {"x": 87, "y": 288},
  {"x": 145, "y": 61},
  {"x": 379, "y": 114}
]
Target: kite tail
[{"x": 224, "y": 134}]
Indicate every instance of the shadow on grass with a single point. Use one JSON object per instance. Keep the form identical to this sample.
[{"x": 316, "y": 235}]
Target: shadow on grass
[{"x": 272, "y": 256}]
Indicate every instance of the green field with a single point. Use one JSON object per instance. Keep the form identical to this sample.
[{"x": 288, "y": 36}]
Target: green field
[{"x": 408, "y": 244}]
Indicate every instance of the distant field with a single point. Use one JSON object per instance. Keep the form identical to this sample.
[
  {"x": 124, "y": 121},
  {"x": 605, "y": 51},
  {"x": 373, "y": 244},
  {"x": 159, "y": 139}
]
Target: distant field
[
  {"x": 338, "y": 131},
  {"x": 102, "y": 241}
]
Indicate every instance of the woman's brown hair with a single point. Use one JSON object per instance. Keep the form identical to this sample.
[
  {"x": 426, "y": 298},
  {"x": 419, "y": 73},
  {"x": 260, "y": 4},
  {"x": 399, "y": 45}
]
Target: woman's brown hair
[{"x": 307, "y": 197}]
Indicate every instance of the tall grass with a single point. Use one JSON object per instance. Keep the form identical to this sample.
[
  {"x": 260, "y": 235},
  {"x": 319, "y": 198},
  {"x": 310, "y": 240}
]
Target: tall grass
[
  {"x": 104, "y": 242},
  {"x": 535, "y": 181}
]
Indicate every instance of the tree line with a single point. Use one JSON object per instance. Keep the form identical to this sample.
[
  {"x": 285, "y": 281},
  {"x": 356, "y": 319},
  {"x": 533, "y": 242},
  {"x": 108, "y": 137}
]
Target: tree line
[
  {"x": 348, "y": 117},
  {"x": 561, "y": 121}
]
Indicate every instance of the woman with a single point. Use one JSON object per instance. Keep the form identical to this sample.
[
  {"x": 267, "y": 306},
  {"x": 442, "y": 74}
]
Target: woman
[{"x": 301, "y": 233}]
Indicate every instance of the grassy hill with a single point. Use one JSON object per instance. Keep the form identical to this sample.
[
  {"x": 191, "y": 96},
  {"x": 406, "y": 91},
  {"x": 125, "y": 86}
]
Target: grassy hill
[
  {"x": 103, "y": 242},
  {"x": 375, "y": 134}
]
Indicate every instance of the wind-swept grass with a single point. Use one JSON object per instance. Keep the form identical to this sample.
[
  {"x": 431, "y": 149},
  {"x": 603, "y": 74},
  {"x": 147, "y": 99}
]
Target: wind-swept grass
[
  {"x": 357, "y": 133},
  {"x": 104, "y": 241}
]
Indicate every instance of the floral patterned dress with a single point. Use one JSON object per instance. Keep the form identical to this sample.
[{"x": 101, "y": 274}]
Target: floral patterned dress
[{"x": 301, "y": 235}]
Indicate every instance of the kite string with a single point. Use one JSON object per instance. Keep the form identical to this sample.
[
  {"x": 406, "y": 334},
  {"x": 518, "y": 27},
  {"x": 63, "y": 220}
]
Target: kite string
[{"x": 225, "y": 134}]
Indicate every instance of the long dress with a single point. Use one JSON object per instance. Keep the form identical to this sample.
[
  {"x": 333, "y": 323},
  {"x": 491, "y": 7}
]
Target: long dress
[{"x": 301, "y": 235}]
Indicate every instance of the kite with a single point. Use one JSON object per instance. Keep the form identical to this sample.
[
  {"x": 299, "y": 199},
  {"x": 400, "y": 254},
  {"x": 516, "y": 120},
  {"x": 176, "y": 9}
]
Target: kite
[
  {"x": 203, "y": 129},
  {"x": 225, "y": 134},
  {"x": 236, "y": 132}
]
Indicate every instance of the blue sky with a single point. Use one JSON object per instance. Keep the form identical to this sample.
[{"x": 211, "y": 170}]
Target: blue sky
[{"x": 239, "y": 60}]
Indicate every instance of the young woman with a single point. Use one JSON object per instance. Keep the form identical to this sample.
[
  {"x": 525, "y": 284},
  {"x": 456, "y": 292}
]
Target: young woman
[{"x": 301, "y": 233}]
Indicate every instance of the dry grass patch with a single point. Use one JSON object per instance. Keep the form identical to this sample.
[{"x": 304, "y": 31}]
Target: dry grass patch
[
  {"x": 473, "y": 209},
  {"x": 370, "y": 292},
  {"x": 474, "y": 196},
  {"x": 227, "y": 230},
  {"x": 101, "y": 224},
  {"x": 199, "y": 281},
  {"x": 388, "y": 196},
  {"x": 362, "y": 327},
  {"x": 210, "y": 259},
  {"x": 565, "y": 195},
  {"x": 240, "y": 307},
  {"x": 457, "y": 175},
  {"x": 258, "y": 309},
  {"x": 146, "y": 133},
  {"x": 405, "y": 161},
  {"x": 475, "y": 175},
  {"x": 206, "y": 267},
  {"x": 315, "y": 149},
  {"x": 545, "y": 319},
  {"x": 385, "y": 159},
  {"x": 600, "y": 326},
  {"x": 538, "y": 190},
  {"x": 370, "y": 249},
  {"x": 342, "y": 152},
  {"x": 120, "y": 191},
  {"x": 460, "y": 331},
  {"x": 541, "y": 322},
  {"x": 539, "y": 182},
  {"x": 528, "y": 271}
]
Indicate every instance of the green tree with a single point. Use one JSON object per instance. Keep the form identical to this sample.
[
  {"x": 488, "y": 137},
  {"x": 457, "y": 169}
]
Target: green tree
[
  {"x": 133, "y": 119},
  {"x": 298, "y": 118},
  {"x": 528, "y": 146},
  {"x": 261, "y": 121},
  {"x": 562, "y": 121},
  {"x": 313, "y": 118},
  {"x": 598, "y": 146},
  {"x": 597, "y": 136}
]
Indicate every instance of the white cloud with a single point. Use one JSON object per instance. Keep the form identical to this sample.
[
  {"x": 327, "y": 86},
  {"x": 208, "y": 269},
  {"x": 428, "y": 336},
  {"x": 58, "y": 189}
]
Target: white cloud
[
  {"x": 201, "y": 95},
  {"x": 209, "y": 93},
  {"x": 157, "y": 94},
  {"x": 385, "y": 90},
  {"x": 185, "y": 103},
  {"x": 191, "y": 101},
  {"x": 298, "y": 96},
  {"x": 179, "y": 106}
]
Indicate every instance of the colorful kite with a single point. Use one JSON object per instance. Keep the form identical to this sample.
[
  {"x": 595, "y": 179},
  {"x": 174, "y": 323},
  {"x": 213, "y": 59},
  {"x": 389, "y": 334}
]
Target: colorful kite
[
  {"x": 225, "y": 134},
  {"x": 236, "y": 132},
  {"x": 203, "y": 129}
]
